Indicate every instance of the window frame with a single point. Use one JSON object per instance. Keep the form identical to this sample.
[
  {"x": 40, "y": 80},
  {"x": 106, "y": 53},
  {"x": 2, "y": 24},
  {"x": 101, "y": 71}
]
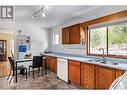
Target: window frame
[{"x": 100, "y": 55}]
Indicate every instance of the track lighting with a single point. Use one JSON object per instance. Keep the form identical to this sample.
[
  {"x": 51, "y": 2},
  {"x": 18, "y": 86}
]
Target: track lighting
[
  {"x": 43, "y": 14},
  {"x": 42, "y": 10},
  {"x": 34, "y": 16}
]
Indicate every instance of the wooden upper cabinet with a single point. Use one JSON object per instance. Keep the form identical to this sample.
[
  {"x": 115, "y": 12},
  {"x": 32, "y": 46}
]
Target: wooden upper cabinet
[
  {"x": 65, "y": 35},
  {"x": 71, "y": 35},
  {"x": 87, "y": 76},
  {"x": 75, "y": 34},
  {"x": 104, "y": 77},
  {"x": 74, "y": 72}
]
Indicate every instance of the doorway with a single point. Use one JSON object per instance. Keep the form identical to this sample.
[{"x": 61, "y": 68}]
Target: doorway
[{"x": 3, "y": 50}]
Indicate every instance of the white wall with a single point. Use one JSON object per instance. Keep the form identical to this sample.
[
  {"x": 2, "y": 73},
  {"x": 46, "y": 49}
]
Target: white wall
[
  {"x": 80, "y": 49},
  {"x": 39, "y": 36}
]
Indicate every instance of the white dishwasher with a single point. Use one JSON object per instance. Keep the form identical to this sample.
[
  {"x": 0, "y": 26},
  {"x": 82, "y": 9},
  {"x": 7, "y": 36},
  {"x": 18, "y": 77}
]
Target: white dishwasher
[{"x": 62, "y": 69}]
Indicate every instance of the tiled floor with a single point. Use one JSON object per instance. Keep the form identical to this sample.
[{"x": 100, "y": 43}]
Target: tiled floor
[{"x": 49, "y": 81}]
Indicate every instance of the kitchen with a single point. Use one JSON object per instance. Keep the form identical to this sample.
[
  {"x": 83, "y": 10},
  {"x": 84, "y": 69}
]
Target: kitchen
[
  {"x": 86, "y": 49},
  {"x": 91, "y": 71}
]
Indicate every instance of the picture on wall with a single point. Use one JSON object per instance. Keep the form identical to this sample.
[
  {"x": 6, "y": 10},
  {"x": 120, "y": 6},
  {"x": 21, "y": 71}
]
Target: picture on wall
[{"x": 24, "y": 40}]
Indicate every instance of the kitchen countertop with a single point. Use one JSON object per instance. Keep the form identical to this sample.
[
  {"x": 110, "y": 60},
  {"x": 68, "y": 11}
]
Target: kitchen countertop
[{"x": 120, "y": 66}]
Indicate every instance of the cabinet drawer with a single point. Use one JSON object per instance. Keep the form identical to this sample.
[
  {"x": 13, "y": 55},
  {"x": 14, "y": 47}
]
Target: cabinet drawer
[{"x": 74, "y": 63}]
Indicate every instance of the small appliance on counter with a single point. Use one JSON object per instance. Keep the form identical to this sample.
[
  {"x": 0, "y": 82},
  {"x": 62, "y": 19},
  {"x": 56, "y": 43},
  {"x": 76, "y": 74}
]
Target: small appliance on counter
[{"x": 47, "y": 51}]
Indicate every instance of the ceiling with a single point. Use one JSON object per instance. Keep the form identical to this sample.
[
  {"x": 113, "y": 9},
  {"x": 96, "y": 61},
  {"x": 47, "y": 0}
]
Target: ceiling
[
  {"x": 59, "y": 14},
  {"x": 55, "y": 15}
]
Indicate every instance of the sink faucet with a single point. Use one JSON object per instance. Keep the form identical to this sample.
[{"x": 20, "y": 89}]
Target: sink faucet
[{"x": 103, "y": 58}]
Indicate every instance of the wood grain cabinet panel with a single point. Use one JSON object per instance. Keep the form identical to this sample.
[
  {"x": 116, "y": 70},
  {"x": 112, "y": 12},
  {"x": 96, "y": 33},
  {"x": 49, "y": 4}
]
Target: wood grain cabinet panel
[
  {"x": 104, "y": 77},
  {"x": 87, "y": 76},
  {"x": 48, "y": 62},
  {"x": 65, "y": 35},
  {"x": 119, "y": 73},
  {"x": 52, "y": 64},
  {"x": 74, "y": 72},
  {"x": 71, "y": 34},
  {"x": 75, "y": 34}
]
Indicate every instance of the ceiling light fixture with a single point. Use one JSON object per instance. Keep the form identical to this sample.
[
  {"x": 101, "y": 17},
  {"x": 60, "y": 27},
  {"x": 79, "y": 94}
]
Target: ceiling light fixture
[
  {"x": 43, "y": 14},
  {"x": 42, "y": 10}
]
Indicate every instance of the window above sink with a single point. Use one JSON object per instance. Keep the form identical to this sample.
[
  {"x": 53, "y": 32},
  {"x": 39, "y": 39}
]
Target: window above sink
[{"x": 111, "y": 36}]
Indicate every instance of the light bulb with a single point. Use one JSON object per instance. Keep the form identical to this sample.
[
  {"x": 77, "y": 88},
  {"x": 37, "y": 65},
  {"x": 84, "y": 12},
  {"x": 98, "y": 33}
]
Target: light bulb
[
  {"x": 34, "y": 16},
  {"x": 43, "y": 14}
]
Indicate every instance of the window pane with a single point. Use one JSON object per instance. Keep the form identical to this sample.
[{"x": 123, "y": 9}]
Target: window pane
[
  {"x": 117, "y": 40},
  {"x": 98, "y": 40},
  {"x": 55, "y": 39}
]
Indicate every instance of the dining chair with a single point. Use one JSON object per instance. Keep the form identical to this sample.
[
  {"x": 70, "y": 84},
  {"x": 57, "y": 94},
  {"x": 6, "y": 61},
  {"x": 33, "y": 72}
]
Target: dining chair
[
  {"x": 37, "y": 63},
  {"x": 13, "y": 69}
]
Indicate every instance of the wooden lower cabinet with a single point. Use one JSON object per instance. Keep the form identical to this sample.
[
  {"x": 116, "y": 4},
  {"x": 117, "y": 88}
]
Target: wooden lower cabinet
[
  {"x": 104, "y": 77},
  {"x": 87, "y": 76},
  {"x": 48, "y": 62},
  {"x": 52, "y": 64},
  {"x": 74, "y": 72},
  {"x": 119, "y": 73}
]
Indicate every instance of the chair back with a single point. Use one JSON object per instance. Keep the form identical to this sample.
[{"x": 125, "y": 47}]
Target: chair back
[
  {"x": 37, "y": 61},
  {"x": 11, "y": 63}
]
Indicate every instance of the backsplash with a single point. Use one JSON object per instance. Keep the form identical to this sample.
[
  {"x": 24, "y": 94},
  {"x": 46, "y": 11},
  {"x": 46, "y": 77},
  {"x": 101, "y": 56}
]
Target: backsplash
[{"x": 69, "y": 49}]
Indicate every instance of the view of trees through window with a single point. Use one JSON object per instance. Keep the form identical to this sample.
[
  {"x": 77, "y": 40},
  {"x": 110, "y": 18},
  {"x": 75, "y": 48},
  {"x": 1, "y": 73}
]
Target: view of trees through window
[
  {"x": 117, "y": 40},
  {"x": 97, "y": 40},
  {"x": 111, "y": 38}
]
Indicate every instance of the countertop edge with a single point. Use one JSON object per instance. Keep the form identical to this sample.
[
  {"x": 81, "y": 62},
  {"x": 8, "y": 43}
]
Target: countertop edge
[{"x": 83, "y": 61}]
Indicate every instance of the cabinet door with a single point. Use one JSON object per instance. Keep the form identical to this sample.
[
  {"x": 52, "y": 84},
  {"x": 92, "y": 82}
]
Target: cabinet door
[
  {"x": 74, "y": 36},
  {"x": 53, "y": 64},
  {"x": 119, "y": 73},
  {"x": 74, "y": 72},
  {"x": 104, "y": 77},
  {"x": 87, "y": 76},
  {"x": 65, "y": 35}
]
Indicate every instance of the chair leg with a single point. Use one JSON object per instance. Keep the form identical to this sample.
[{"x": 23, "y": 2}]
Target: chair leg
[
  {"x": 33, "y": 73},
  {"x": 42, "y": 71},
  {"x": 11, "y": 79},
  {"x": 26, "y": 72},
  {"x": 29, "y": 71},
  {"x": 9, "y": 75},
  {"x": 38, "y": 71}
]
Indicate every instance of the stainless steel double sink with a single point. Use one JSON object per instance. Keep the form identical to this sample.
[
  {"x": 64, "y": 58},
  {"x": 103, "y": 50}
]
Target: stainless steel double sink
[{"x": 100, "y": 61}]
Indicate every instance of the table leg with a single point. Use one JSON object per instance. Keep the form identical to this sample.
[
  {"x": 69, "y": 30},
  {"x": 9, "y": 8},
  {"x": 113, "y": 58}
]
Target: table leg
[{"x": 16, "y": 72}]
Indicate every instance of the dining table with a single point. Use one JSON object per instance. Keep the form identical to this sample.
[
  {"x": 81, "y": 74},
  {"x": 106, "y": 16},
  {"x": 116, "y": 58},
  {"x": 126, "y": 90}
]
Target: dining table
[
  {"x": 20, "y": 61},
  {"x": 28, "y": 60}
]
